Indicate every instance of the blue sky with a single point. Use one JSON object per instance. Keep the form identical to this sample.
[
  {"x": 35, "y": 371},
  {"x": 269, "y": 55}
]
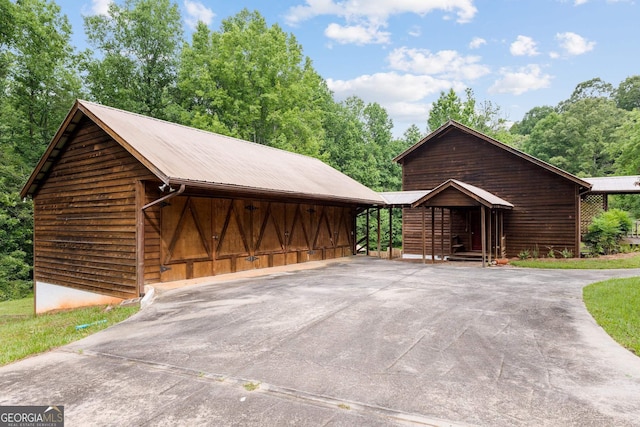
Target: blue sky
[{"x": 518, "y": 54}]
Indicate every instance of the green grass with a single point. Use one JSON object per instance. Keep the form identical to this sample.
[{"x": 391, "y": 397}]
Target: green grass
[
  {"x": 614, "y": 304},
  {"x": 24, "y": 334},
  {"x": 579, "y": 263}
]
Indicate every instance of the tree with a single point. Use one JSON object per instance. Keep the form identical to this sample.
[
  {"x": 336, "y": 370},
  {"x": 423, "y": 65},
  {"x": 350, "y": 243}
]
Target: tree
[
  {"x": 138, "y": 45},
  {"x": 594, "y": 88},
  {"x": 627, "y": 95},
  {"x": 484, "y": 117},
  {"x": 531, "y": 117},
  {"x": 253, "y": 82},
  {"x": 580, "y": 139},
  {"x": 38, "y": 81}
]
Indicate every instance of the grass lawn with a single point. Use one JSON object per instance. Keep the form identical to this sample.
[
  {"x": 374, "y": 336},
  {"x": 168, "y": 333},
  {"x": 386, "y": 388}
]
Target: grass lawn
[
  {"x": 626, "y": 261},
  {"x": 24, "y": 334},
  {"x": 615, "y": 305}
]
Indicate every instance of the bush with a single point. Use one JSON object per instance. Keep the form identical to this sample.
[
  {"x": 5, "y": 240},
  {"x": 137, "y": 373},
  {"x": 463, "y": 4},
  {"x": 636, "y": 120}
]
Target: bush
[
  {"x": 15, "y": 275},
  {"x": 606, "y": 230}
]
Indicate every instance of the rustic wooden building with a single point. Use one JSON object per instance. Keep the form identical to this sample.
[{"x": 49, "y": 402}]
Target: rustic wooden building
[
  {"x": 480, "y": 195},
  {"x": 123, "y": 200}
]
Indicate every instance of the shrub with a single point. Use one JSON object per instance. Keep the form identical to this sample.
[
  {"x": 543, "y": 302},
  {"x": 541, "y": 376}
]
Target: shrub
[
  {"x": 606, "y": 230},
  {"x": 15, "y": 274}
]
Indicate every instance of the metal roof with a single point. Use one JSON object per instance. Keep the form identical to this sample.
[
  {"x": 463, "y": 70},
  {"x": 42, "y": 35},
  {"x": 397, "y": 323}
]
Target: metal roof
[
  {"x": 615, "y": 184},
  {"x": 403, "y": 198},
  {"x": 482, "y": 196},
  {"x": 179, "y": 154}
]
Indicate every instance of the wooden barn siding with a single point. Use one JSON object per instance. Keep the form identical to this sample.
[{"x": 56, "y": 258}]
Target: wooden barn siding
[
  {"x": 545, "y": 204},
  {"x": 85, "y": 218},
  {"x": 204, "y": 236}
]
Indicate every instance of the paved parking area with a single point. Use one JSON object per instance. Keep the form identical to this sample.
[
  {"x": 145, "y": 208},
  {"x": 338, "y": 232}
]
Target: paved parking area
[{"x": 358, "y": 342}]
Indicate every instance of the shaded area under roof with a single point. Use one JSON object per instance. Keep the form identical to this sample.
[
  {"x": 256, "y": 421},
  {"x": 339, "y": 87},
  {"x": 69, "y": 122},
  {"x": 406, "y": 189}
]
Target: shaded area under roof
[
  {"x": 615, "y": 184},
  {"x": 179, "y": 154}
]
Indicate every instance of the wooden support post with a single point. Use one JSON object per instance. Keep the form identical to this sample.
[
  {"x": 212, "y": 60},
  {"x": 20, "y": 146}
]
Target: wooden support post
[
  {"x": 379, "y": 226},
  {"x": 367, "y": 233},
  {"x": 442, "y": 233},
  {"x": 140, "y": 203},
  {"x": 390, "y": 233},
  {"x": 433, "y": 235},
  {"x": 424, "y": 237},
  {"x": 483, "y": 220},
  {"x": 489, "y": 239}
]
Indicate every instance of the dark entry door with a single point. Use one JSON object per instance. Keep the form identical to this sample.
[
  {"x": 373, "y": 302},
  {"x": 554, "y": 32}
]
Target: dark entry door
[{"x": 475, "y": 225}]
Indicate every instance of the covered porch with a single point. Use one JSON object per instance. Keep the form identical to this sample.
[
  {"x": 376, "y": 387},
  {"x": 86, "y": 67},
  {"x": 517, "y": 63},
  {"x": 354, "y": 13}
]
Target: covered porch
[{"x": 454, "y": 221}]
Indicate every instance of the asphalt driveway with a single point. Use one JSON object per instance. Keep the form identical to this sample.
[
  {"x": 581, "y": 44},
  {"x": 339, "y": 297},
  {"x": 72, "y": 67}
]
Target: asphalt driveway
[{"x": 360, "y": 342}]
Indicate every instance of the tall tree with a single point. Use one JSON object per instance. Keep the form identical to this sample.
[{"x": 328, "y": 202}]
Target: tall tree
[
  {"x": 594, "y": 88},
  {"x": 138, "y": 48},
  {"x": 627, "y": 95},
  {"x": 484, "y": 117},
  {"x": 531, "y": 117},
  {"x": 38, "y": 81},
  {"x": 252, "y": 81},
  {"x": 580, "y": 139}
]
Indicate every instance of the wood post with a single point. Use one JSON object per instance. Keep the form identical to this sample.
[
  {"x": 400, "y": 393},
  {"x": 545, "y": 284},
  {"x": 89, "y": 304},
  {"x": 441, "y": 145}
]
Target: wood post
[
  {"x": 433, "y": 235},
  {"x": 140, "y": 199},
  {"x": 379, "y": 226},
  {"x": 424, "y": 236},
  {"x": 367, "y": 233},
  {"x": 390, "y": 233},
  {"x": 483, "y": 220}
]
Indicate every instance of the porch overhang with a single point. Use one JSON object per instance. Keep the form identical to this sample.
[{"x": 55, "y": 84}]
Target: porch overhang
[{"x": 454, "y": 193}]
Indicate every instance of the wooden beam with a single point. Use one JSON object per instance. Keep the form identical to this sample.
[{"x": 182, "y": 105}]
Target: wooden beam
[
  {"x": 424, "y": 236},
  {"x": 379, "y": 234},
  {"x": 390, "y": 233},
  {"x": 367, "y": 233},
  {"x": 433, "y": 235},
  {"x": 140, "y": 239},
  {"x": 442, "y": 233},
  {"x": 484, "y": 235}
]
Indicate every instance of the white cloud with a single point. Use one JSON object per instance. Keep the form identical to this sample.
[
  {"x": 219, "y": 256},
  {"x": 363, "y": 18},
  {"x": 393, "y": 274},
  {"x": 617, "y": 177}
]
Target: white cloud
[
  {"x": 445, "y": 63},
  {"x": 579, "y": 2},
  {"x": 380, "y": 9},
  {"x": 477, "y": 42},
  {"x": 196, "y": 12},
  {"x": 523, "y": 46},
  {"x": 362, "y": 17},
  {"x": 402, "y": 95},
  {"x": 520, "y": 81},
  {"x": 100, "y": 7},
  {"x": 357, "y": 34},
  {"x": 574, "y": 44}
]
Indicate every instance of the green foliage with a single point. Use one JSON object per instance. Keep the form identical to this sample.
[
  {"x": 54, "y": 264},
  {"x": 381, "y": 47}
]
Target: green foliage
[
  {"x": 628, "y": 135},
  {"x": 614, "y": 305},
  {"x": 627, "y": 96},
  {"x": 524, "y": 254},
  {"x": 581, "y": 139},
  {"x": 530, "y": 119},
  {"x": 252, "y": 81},
  {"x": 484, "y": 117},
  {"x": 138, "y": 45},
  {"x": 606, "y": 230}
]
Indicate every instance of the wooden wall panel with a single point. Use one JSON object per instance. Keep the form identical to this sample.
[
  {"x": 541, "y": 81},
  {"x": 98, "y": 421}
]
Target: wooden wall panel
[
  {"x": 247, "y": 234},
  {"x": 85, "y": 216},
  {"x": 545, "y": 203}
]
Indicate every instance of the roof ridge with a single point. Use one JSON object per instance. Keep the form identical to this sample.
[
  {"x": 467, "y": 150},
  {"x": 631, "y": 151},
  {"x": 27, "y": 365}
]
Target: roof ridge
[{"x": 82, "y": 101}]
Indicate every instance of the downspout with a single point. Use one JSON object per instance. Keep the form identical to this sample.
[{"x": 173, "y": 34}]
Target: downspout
[
  {"x": 140, "y": 235},
  {"x": 167, "y": 197}
]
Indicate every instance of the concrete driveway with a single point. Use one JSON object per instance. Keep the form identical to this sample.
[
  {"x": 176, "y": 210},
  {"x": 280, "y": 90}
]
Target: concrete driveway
[{"x": 358, "y": 342}]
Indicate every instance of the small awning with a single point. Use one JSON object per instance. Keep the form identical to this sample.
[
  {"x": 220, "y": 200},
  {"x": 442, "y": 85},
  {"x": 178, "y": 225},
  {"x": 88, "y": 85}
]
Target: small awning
[
  {"x": 472, "y": 196},
  {"x": 615, "y": 184},
  {"x": 402, "y": 198}
]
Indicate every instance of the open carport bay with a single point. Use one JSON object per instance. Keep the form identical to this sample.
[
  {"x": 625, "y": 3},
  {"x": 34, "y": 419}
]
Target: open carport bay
[{"x": 358, "y": 342}]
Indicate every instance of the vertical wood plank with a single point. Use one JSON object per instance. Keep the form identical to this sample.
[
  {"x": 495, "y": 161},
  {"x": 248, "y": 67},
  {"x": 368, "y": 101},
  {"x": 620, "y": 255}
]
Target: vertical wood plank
[{"x": 140, "y": 238}]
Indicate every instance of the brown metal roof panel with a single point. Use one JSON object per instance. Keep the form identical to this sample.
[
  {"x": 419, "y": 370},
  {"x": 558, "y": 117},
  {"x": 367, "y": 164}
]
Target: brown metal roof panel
[{"x": 181, "y": 153}]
